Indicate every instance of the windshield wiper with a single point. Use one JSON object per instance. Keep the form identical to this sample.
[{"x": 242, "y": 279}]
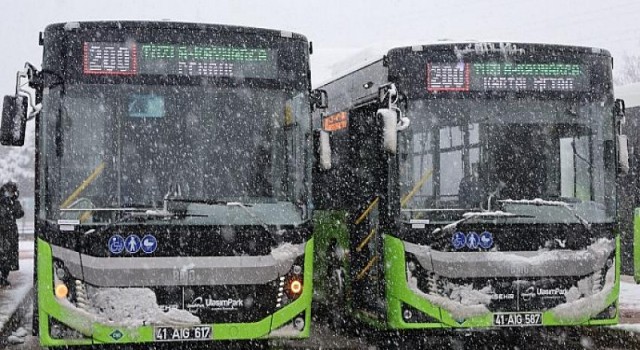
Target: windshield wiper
[
  {"x": 253, "y": 215},
  {"x": 475, "y": 215},
  {"x": 146, "y": 215},
  {"x": 200, "y": 201},
  {"x": 541, "y": 202},
  {"x": 244, "y": 206}
]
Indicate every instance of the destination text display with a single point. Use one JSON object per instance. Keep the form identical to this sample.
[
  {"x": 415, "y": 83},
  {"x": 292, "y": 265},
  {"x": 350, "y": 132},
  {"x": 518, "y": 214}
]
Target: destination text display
[
  {"x": 176, "y": 59},
  {"x": 502, "y": 76}
]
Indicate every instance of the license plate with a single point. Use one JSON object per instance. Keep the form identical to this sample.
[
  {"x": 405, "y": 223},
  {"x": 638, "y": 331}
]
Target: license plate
[
  {"x": 517, "y": 319},
  {"x": 183, "y": 333}
]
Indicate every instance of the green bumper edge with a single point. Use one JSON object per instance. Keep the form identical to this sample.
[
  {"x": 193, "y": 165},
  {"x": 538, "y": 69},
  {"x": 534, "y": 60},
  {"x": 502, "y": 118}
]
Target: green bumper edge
[
  {"x": 328, "y": 227},
  {"x": 100, "y": 333},
  {"x": 398, "y": 292}
]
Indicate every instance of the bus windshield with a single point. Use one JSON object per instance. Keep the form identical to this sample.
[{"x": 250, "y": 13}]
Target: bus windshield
[
  {"x": 118, "y": 146},
  {"x": 465, "y": 155}
]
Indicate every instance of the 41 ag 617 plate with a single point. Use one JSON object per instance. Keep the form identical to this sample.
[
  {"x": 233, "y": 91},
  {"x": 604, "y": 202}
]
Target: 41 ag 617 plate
[{"x": 182, "y": 333}]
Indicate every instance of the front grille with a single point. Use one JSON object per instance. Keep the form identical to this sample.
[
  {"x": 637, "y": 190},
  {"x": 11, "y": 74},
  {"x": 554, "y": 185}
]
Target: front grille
[
  {"x": 507, "y": 294},
  {"x": 221, "y": 304},
  {"x": 182, "y": 304}
]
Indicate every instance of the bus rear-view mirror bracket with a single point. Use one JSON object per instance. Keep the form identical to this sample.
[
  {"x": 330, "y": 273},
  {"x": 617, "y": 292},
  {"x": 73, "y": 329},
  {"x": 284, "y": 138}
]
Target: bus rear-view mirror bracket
[
  {"x": 392, "y": 118},
  {"x": 319, "y": 99}
]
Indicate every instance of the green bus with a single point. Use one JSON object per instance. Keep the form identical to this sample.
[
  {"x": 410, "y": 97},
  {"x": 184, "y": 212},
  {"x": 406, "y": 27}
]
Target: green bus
[
  {"x": 470, "y": 185},
  {"x": 172, "y": 182}
]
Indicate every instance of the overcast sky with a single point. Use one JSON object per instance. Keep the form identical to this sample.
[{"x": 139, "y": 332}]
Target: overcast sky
[{"x": 339, "y": 28}]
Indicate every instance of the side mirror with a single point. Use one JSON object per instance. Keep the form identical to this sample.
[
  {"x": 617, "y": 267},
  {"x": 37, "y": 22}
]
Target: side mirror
[
  {"x": 390, "y": 129},
  {"x": 324, "y": 150},
  {"x": 14, "y": 121},
  {"x": 622, "y": 143},
  {"x": 619, "y": 108},
  {"x": 319, "y": 99},
  {"x": 623, "y": 154}
]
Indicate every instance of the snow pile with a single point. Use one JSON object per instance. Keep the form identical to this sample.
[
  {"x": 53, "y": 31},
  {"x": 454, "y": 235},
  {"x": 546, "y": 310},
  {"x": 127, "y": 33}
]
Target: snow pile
[
  {"x": 463, "y": 302},
  {"x": 131, "y": 307},
  {"x": 287, "y": 251},
  {"x": 587, "y": 299},
  {"x": 597, "y": 252},
  {"x": 466, "y": 295},
  {"x": 17, "y": 337},
  {"x": 580, "y": 306},
  {"x": 12, "y": 297},
  {"x": 537, "y": 201}
]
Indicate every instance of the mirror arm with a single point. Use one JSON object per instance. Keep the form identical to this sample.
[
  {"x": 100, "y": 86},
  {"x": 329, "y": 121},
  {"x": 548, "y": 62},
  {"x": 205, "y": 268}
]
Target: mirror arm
[
  {"x": 34, "y": 80},
  {"x": 318, "y": 99}
]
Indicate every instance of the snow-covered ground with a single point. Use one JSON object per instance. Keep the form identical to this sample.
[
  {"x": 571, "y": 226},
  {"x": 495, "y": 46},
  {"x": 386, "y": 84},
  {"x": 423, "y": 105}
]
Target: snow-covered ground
[
  {"x": 629, "y": 305},
  {"x": 12, "y": 297},
  {"x": 629, "y": 296}
]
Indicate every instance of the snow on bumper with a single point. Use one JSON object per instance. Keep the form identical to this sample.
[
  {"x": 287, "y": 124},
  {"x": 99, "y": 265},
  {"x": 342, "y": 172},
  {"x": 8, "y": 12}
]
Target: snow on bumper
[
  {"x": 449, "y": 276},
  {"x": 514, "y": 264}
]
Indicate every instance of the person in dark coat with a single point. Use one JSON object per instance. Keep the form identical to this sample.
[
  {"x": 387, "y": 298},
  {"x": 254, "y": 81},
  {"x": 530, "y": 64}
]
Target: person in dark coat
[{"x": 10, "y": 210}]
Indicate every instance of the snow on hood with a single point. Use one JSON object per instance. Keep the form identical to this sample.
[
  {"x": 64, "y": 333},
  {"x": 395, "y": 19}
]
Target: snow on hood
[
  {"x": 537, "y": 201},
  {"x": 287, "y": 251},
  {"x": 132, "y": 307},
  {"x": 598, "y": 251},
  {"x": 585, "y": 300},
  {"x": 588, "y": 306},
  {"x": 464, "y": 301}
]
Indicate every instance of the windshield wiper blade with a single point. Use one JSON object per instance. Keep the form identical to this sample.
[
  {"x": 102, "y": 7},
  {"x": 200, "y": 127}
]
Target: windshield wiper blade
[
  {"x": 198, "y": 200},
  {"x": 545, "y": 203},
  {"x": 253, "y": 215},
  {"x": 142, "y": 216},
  {"x": 475, "y": 215}
]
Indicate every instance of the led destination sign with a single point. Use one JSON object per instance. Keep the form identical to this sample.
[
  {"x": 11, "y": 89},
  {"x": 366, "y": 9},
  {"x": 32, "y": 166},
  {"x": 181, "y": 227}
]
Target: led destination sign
[
  {"x": 507, "y": 77},
  {"x": 176, "y": 59}
]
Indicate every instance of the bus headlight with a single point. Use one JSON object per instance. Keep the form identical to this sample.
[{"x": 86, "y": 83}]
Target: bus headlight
[
  {"x": 295, "y": 288},
  {"x": 61, "y": 291},
  {"x": 291, "y": 285}
]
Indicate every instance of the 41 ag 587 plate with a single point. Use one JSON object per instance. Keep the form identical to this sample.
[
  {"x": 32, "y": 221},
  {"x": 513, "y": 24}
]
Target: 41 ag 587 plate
[{"x": 512, "y": 319}]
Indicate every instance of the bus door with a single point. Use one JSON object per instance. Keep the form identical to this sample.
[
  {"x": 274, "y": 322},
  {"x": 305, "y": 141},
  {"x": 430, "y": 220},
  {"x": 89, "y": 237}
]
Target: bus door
[{"x": 367, "y": 167}]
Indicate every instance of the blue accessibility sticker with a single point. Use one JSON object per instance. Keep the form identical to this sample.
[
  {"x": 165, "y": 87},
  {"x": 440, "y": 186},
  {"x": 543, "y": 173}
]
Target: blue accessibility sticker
[
  {"x": 132, "y": 244},
  {"x": 149, "y": 244},
  {"x": 473, "y": 240},
  {"x": 459, "y": 240},
  {"x": 486, "y": 240},
  {"x": 116, "y": 244}
]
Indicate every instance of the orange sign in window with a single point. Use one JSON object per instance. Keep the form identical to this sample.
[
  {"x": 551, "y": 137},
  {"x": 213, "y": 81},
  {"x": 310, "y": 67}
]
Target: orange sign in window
[{"x": 335, "y": 122}]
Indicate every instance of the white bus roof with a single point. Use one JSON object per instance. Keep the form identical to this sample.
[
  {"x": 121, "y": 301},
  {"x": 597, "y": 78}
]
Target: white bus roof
[{"x": 630, "y": 93}]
